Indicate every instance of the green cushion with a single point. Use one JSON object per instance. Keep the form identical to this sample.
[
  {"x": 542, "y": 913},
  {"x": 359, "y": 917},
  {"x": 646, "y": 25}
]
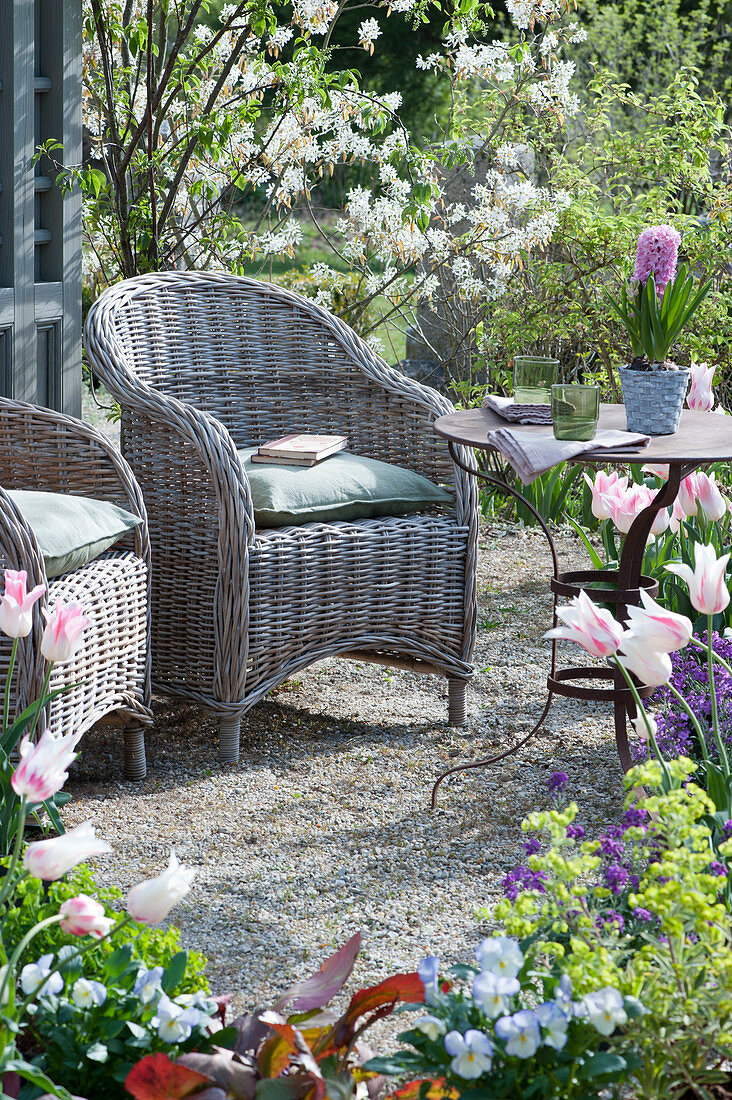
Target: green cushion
[
  {"x": 342, "y": 487},
  {"x": 71, "y": 531}
]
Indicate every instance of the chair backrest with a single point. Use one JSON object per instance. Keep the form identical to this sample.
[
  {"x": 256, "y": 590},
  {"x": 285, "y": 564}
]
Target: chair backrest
[{"x": 266, "y": 362}]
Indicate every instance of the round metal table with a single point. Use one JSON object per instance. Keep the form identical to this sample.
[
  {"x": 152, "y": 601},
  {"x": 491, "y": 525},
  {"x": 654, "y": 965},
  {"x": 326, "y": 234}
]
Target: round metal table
[{"x": 702, "y": 438}]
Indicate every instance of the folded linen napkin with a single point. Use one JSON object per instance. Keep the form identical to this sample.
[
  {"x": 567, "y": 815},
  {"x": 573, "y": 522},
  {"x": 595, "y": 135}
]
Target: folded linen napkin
[
  {"x": 532, "y": 453},
  {"x": 507, "y": 408}
]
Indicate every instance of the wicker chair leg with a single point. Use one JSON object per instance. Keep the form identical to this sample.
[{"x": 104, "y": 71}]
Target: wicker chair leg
[
  {"x": 229, "y": 730},
  {"x": 457, "y": 702},
  {"x": 135, "y": 763}
]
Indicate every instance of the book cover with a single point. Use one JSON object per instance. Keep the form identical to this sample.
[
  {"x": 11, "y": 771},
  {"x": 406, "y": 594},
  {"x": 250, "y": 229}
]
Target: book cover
[{"x": 303, "y": 446}]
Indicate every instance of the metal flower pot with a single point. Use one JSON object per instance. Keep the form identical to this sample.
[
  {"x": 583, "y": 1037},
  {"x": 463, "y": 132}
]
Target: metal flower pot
[{"x": 654, "y": 399}]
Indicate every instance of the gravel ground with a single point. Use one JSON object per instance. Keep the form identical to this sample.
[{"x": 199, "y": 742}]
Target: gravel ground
[{"x": 324, "y": 826}]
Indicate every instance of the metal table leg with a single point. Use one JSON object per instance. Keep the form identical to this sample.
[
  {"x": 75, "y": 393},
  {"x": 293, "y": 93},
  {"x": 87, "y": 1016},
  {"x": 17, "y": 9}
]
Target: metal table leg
[{"x": 629, "y": 581}]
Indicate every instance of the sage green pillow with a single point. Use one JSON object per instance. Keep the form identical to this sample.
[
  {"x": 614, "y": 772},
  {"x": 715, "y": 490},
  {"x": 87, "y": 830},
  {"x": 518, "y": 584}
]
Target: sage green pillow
[
  {"x": 342, "y": 487},
  {"x": 71, "y": 531}
]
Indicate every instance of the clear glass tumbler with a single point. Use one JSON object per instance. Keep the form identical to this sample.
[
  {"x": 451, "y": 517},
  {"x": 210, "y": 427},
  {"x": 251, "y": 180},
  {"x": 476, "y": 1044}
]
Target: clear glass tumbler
[
  {"x": 575, "y": 410},
  {"x": 533, "y": 378}
]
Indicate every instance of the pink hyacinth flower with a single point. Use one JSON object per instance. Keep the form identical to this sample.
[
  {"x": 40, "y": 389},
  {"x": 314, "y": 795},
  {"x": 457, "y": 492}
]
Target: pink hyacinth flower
[
  {"x": 15, "y": 606},
  {"x": 659, "y": 628},
  {"x": 700, "y": 396},
  {"x": 42, "y": 770},
  {"x": 83, "y": 916},
  {"x": 657, "y": 253},
  {"x": 62, "y": 637},
  {"x": 592, "y": 627},
  {"x": 707, "y": 583},
  {"x": 604, "y": 487},
  {"x": 50, "y": 859}
]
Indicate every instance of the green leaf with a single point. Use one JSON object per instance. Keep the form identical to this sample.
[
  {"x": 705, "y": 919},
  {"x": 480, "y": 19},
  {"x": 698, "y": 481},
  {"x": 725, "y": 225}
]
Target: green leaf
[
  {"x": 604, "y": 1064},
  {"x": 174, "y": 971},
  {"x": 634, "y": 1007},
  {"x": 597, "y": 562},
  {"x": 275, "y": 1088}
]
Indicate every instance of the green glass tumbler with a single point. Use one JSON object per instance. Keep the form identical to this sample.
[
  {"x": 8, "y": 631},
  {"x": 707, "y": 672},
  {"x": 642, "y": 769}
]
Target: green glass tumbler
[
  {"x": 575, "y": 410},
  {"x": 533, "y": 378}
]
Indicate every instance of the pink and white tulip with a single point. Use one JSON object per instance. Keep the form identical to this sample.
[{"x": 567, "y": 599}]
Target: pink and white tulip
[
  {"x": 592, "y": 627},
  {"x": 62, "y": 637},
  {"x": 16, "y": 605},
  {"x": 42, "y": 770},
  {"x": 660, "y": 629},
  {"x": 677, "y": 515},
  {"x": 658, "y": 469},
  {"x": 714, "y": 504},
  {"x": 83, "y": 916},
  {"x": 688, "y": 494},
  {"x": 150, "y": 902},
  {"x": 708, "y": 589},
  {"x": 701, "y": 395},
  {"x": 641, "y": 728},
  {"x": 604, "y": 488},
  {"x": 624, "y": 508},
  {"x": 50, "y": 859},
  {"x": 651, "y": 667}
]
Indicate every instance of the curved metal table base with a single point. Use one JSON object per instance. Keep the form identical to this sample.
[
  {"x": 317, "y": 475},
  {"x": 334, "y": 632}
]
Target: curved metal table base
[{"x": 630, "y": 580}]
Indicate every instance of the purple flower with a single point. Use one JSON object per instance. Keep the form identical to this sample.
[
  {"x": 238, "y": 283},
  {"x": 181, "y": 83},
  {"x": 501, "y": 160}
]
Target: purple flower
[
  {"x": 643, "y": 915},
  {"x": 610, "y": 847},
  {"x": 532, "y": 846},
  {"x": 611, "y": 917},
  {"x": 575, "y": 832},
  {"x": 634, "y": 818},
  {"x": 657, "y": 253},
  {"x": 556, "y": 782},
  {"x": 727, "y": 829},
  {"x": 615, "y": 877},
  {"x": 717, "y": 868},
  {"x": 522, "y": 878}
]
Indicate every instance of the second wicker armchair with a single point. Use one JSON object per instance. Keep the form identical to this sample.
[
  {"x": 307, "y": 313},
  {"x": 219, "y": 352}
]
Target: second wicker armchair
[{"x": 203, "y": 364}]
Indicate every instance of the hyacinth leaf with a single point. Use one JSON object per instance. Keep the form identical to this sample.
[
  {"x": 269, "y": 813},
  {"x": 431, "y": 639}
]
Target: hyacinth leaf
[
  {"x": 155, "y": 1077},
  {"x": 656, "y": 348},
  {"x": 692, "y": 308},
  {"x": 316, "y": 991}
]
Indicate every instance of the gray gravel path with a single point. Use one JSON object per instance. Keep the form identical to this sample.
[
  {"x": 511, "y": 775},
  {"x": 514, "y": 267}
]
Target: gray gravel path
[{"x": 324, "y": 826}]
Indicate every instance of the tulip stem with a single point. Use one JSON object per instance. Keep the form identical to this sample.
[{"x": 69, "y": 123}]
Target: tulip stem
[
  {"x": 44, "y": 692},
  {"x": 642, "y": 711},
  {"x": 8, "y": 882},
  {"x": 8, "y": 681},
  {"x": 30, "y": 934},
  {"x": 696, "y": 723},
  {"x": 723, "y": 758}
]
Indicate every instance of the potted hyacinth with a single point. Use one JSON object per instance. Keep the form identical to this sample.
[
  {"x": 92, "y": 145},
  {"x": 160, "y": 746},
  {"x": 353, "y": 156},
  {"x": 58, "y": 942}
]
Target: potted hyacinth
[{"x": 656, "y": 305}]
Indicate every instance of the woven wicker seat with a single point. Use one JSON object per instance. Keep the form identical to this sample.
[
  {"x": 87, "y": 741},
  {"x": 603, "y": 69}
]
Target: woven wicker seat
[
  {"x": 203, "y": 364},
  {"x": 43, "y": 450}
]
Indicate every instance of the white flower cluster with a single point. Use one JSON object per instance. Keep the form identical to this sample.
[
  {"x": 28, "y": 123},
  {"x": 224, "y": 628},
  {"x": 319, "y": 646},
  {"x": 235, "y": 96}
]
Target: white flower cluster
[
  {"x": 527, "y": 12},
  {"x": 368, "y": 32}
]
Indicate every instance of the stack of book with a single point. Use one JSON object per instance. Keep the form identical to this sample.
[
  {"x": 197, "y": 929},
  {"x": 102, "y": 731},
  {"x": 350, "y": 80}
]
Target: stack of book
[{"x": 300, "y": 450}]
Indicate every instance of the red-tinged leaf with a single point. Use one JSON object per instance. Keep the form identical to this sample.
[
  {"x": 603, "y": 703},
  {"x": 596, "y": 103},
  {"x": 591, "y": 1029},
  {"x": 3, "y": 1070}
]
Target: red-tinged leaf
[
  {"x": 400, "y": 987},
  {"x": 275, "y": 1055},
  {"x": 438, "y": 1090},
  {"x": 303, "y": 1055},
  {"x": 155, "y": 1077},
  {"x": 322, "y": 987}
]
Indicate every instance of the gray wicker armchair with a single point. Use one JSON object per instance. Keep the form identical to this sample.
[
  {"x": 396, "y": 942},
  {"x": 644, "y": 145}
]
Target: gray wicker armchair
[
  {"x": 110, "y": 675},
  {"x": 204, "y": 363}
]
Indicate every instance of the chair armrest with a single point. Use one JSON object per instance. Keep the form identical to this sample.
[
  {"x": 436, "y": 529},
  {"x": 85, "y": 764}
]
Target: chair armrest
[{"x": 47, "y": 451}]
